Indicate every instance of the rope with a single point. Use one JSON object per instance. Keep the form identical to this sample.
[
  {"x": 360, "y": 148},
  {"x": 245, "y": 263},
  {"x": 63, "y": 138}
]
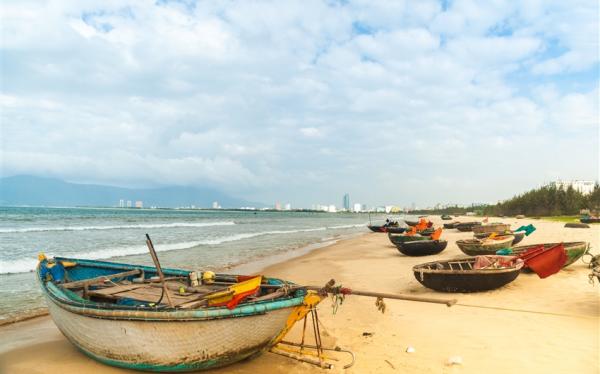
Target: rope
[{"x": 525, "y": 311}]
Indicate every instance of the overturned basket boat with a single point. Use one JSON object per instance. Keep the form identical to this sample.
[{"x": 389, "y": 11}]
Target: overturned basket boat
[
  {"x": 446, "y": 217},
  {"x": 466, "y": 226},
  {"x": 399, "y": 239},
  {"x": 476, "y": 247},
  {"x": 519, "y": 236},
  {"x": 577, "y": 225},
  {"x": 465, "y": 276},
  {"x": 490, "y": 228},
  {"x": 573, "y": 250},
  {"x": 115, "y": 314},
  {"x": 422, "y": 247}
]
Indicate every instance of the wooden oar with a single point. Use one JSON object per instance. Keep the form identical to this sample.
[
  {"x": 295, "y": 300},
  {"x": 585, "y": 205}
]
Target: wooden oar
[
  {"x": 159, "y": 270},
  {"x": 347, "y": 291}
]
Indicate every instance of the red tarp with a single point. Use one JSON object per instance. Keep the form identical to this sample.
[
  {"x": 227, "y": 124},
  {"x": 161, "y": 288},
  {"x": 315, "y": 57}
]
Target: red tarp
[{"x": 548, "y": 262}]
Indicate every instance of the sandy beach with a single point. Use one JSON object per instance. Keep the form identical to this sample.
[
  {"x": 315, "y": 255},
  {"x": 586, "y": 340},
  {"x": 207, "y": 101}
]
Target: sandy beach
[{"x": 531, "y": 325}]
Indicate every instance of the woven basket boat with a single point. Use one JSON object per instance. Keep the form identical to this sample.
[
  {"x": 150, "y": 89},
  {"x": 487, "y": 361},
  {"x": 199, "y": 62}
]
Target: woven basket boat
[
  {"x": 384, "y": 228},
  {"x": 590, "y": 220},
  {"x": 127, "y": 333},
  {"x": 519, "y": 236},
  {"x": 466, "y": 226},
  {"x": 476, "y": 247},
  {"x": 460, "y": 275},
  {"x": 451, "y": 225},
  {"x": 422, "y": 247},
  {"x": 574, "y": 250},
  {"x": 399, "y": 239},
  {"x": 490, "y": 228}
]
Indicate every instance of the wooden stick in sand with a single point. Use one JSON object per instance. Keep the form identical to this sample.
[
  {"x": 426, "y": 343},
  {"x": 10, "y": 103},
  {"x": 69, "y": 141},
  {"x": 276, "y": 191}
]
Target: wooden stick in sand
[{"x": 159, "y": 270}]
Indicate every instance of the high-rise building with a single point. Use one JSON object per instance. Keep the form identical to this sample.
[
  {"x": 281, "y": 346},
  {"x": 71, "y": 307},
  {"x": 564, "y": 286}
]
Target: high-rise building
[
  {"x": 357, "y": 207},
  {"x": 139, "y": 204},
  {"x": 121, "y": 203},
  {"x": 288, "y": 206},
  {"x": 129, "y": 203},
  {"x": 277, "y": 205},
  {"x": 346, "y": 202},
  {"x": 215, "y": 205}
]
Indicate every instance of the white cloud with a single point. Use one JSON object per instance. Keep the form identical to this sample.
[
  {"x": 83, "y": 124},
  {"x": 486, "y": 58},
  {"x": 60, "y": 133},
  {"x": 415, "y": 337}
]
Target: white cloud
[
  {"x": 231, "y": 94},
  {"x": 311, "y": 132}
]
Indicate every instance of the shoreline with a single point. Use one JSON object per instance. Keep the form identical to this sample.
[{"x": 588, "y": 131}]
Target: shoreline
[
  {"x": 369, "y": 262},
  {"x": 252, "y": 266}
]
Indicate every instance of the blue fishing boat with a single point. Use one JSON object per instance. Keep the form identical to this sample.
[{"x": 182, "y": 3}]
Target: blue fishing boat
[{"x": 134, "y": 317}]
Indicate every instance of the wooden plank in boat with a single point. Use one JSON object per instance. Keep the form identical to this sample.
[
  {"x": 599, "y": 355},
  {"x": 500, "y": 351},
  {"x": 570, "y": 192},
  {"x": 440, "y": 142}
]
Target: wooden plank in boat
[
  {"x": 151, "y": 294},
  {"x": 115, "y": 289}
]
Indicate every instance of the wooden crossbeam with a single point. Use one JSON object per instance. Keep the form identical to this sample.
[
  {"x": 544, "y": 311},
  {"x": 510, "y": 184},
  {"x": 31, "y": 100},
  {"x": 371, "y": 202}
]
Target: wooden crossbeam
[{"x": 100, "y": 279}]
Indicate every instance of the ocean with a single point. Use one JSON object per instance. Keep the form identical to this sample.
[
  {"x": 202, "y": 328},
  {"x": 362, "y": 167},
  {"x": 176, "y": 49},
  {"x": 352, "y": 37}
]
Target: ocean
[{"x": 192, "y": 239}]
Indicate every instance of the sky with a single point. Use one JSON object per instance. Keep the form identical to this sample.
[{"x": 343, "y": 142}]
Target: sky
[{"x": 396, "y": 102}]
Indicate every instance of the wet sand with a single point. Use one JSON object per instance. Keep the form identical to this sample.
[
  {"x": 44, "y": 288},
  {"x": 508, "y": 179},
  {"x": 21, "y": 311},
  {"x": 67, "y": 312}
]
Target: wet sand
[{"x": 531, "y": 325}]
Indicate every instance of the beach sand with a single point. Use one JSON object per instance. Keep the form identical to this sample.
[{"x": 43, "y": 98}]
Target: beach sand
[{"x": 531, "y": 325}]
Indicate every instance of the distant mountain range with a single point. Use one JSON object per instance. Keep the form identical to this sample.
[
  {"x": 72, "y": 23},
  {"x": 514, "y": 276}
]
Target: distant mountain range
[{"x": 39, "y": 191}]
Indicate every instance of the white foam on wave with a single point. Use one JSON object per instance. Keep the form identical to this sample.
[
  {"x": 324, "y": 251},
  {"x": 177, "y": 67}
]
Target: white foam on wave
[
  {"x": 117, "y": 227},
  {"x": 25, "y": 265},
  {"x": 347, "y": 226}
]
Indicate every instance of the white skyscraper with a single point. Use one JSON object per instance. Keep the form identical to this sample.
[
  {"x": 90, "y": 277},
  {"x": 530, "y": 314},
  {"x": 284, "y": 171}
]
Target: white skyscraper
[{"x": 346, "y": 202}]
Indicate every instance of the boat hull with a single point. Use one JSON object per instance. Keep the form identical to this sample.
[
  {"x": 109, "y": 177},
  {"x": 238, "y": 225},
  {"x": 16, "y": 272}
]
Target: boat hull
[
  {"x": 443, "y": 277},
  {"x": 450, "y": 225},
  {"x": 466, "y": 226},
  {"x": 422, "y": 247},
  {"x": 490, "y": 228},
  {"x": 169, "y": 345},
  {"x": 472, "y": 248},
  {"x": 399, "y": 239},
  {"x": 466, "y": 282},
  {"x": 573, "y": 250},
  {"x": 392, "y": 229},
  {"x": 519, "y": 236},
  {"x": 589, "y": 220}
]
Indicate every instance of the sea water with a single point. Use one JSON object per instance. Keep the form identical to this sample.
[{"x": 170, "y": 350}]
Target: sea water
[{"x": 189, "y": 239}]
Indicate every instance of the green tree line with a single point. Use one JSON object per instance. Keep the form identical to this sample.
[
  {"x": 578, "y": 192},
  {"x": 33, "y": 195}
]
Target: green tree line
[{"x": 547, "y": 201}]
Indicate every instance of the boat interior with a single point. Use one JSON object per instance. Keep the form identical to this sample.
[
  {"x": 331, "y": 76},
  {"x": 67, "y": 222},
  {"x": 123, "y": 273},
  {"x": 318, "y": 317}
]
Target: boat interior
[{"x": 140, "y": 286}]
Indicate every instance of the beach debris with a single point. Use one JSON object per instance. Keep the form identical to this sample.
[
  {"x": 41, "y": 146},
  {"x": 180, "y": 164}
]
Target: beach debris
[
  {"x": 454, "y": 360},
  {"x": 391, "y": 365},
  {"x": 380, "y": 304},
  {"x": 368, "y": 333},
  {"x": 410, "y": 349}
]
